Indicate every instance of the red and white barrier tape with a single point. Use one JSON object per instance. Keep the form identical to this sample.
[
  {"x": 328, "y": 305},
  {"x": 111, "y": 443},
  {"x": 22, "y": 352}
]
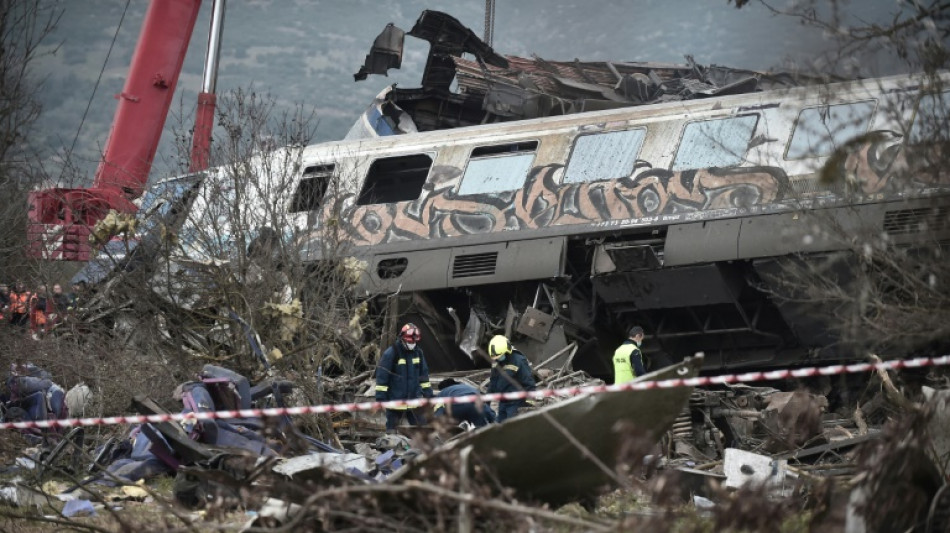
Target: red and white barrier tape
[{"x": 545, "y": 393}]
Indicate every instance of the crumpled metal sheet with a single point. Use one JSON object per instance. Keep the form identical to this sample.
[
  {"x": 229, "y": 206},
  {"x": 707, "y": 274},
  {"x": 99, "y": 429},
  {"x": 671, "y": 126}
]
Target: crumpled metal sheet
[
  {"x": 496, "y": 87},
  {"x": 385, "y": 54},
  {"x": 530, "y": 455}
]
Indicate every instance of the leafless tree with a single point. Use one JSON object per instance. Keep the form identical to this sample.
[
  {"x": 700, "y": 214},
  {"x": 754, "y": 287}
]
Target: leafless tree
[
  {"x": 216, "y": 270},
  {"x": 24, "y": 27},
  {"x": 915, "y": 35},
  {"x": 888, "y": 291}
]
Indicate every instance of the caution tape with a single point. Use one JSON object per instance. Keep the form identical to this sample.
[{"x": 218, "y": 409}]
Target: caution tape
[{"x": 702, "y": 381}]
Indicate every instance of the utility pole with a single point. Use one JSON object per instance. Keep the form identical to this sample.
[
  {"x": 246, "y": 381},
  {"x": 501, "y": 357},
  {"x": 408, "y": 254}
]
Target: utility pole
[{"x": 489, "y": 21}]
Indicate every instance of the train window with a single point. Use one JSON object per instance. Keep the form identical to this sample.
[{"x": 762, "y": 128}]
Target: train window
[
  {"x": 715, "y": 143},
  {"x": 505, "y": 149},
  {"x": 930, "y": 123},
  {"x": 604, "y": 156},
  {"x": 820, "y": 130},
  {"x": 391, "y": 268},
  {"x": 312, "y": 188},
  {"x": 395, "y": 179},
  {"x": 498, "y": 168}
]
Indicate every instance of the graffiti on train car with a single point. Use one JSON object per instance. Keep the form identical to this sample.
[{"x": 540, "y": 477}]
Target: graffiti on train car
[{"x": 650, "y": 193}]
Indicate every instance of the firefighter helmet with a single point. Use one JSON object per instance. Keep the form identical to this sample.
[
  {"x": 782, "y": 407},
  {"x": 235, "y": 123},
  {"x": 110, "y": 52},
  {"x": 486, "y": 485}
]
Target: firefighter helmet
[
  {"x": 499, "y": 346},
  {"x": 410, "y": 333}
]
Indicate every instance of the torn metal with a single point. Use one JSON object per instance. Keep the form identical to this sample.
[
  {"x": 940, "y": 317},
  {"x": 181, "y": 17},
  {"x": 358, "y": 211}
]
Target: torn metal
[
  {"x": 557, "y": 453},
  {"x": 496, "y": 88}
]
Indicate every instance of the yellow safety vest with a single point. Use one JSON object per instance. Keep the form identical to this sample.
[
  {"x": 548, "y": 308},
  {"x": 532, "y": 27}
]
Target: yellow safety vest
[{"x": 623, "y": 366}]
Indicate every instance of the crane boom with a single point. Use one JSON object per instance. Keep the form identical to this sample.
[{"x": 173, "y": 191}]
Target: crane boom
[{"x": 61, "y": 219}]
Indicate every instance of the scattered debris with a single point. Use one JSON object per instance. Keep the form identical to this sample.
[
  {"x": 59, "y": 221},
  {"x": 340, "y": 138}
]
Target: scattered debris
[
  {"x": 565, "y": 450},
  {"x": 75, "y": 508},
  {"x": 561, "y": 451},
  {"x": 744, "y": 468}
]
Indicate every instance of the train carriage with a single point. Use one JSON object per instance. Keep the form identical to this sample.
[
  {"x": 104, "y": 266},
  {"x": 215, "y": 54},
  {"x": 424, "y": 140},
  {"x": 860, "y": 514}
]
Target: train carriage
[{"x": 670, "y": 215}]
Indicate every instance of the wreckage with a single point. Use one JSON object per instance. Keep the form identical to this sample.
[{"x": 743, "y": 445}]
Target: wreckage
[
  {"x": 568, "y": 200},
  {"x": 574, "y": 443},
  {"x": 779, "y": 446},
  {"x": 560, "y": 202},
  {"x": 582, "y": 435}
]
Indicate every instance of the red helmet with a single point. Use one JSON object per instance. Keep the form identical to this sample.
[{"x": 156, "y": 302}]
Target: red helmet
[{"x": 410, "y": 333}]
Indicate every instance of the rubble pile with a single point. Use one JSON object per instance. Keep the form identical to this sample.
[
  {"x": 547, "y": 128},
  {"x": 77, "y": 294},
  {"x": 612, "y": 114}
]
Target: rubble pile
[{"x": 718, "y": 444}]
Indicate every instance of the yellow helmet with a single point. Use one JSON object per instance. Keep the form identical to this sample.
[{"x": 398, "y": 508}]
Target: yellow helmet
[{"x": 498, "y": 347}]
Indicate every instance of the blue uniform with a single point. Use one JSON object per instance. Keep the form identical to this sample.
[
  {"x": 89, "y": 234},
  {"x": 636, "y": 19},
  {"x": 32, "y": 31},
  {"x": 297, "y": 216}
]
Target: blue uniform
[
  {"x": 402, "y": 374},
  {"x": 36, "y": 394},
  {"x": 465, "y": 412},
  {"x": 510, "y": 374}
]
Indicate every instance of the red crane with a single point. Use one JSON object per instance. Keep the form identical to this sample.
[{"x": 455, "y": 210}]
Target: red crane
[{"x": 61, "y": 219}]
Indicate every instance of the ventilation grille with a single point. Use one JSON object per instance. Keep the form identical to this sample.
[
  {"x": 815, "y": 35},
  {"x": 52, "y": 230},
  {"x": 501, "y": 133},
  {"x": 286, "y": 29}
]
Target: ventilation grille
[
  {"x": 814, "y": 186},
  {"x": 467, "y": 266},
  {"x": 909, "y": 221}
]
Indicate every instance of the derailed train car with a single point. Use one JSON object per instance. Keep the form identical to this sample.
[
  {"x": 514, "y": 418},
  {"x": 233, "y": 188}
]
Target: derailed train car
[
  {"x": 670, "y": 215},
  {"x": 562, "y": 202}
]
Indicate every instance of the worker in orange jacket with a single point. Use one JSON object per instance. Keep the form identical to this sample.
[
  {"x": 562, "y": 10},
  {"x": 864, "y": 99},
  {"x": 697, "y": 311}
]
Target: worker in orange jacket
[
  {"x": 38, "y": 311},
  {"x": 20, "y": 305}
]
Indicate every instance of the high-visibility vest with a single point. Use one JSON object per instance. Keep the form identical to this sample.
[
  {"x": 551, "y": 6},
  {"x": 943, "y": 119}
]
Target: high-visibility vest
[
  {"x": 623, "y": 363},
  {"x": 19, "y": 302}
]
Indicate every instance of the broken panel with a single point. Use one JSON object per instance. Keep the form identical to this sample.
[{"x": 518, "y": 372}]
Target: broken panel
[
  {"x": 535, "y": 324},
  {"x": 535, "y": 456},
  {"x": 715, "y": 143},
  {"x": 385, "y": 54}
]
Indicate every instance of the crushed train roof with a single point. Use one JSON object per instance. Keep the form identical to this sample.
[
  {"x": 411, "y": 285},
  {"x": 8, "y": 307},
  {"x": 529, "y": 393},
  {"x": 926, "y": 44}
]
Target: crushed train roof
[{"x": 496, "y": 88}]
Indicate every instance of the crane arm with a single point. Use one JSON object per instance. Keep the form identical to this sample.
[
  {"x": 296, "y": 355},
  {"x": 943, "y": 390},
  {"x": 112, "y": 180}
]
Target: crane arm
[{"x": 61, "y": 219}]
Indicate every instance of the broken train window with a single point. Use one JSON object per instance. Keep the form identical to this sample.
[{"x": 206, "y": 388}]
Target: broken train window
[
  {"x": 715, "y": 143},
  {"x": 312, "y": 188},
  {"x": 208, "y": 231},
  {"x": 604, "y": 156},
  {"x": 932, "y": 119},
  {"x": 498, "y": 168},
  {"x": 395, "y": 179},
  {"x": 820, "y": 130},
  {"x": 166, "y": 200}
]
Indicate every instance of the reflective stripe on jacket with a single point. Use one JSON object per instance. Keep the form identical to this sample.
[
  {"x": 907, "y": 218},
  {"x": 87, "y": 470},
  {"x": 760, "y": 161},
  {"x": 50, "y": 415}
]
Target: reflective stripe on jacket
[
  {"x": 402, "y": 375},
  {"x": 511, "y": 374}
]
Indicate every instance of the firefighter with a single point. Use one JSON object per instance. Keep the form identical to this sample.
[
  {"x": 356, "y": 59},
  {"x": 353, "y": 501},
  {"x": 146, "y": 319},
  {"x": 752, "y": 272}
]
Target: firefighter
[
  {"x": 510, "y": 373},
  {"x": 20, "y": 305},
  {"x": 403, "y": 374},
  {"x": 463, "y": 412},
  {"x": 628, "y": 359}
]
